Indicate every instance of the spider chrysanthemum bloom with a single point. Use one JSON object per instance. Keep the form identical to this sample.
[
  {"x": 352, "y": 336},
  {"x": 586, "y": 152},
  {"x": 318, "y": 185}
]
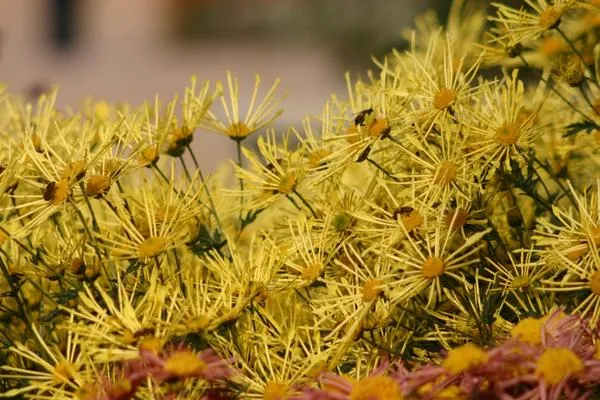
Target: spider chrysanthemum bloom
[
  {"x": 519, "y": 280},
  {"x": 117, "y": 329},
  {"x": 56, "y": 372},
  {"x": 439, "y": 164},
  {"x": 161, "y": 211},
  {"x": 504, "y": 128},
  {"x": 273, "y": 366},
  {"x": 309, "y": 254},
  {"x": 541, "y": 17},
  {"x": 50, "y": 179},
  {"x": 472, "y": 318},
  {"x": 194, "y": 107},
  {"x": 202, "y": 302},
  {"x": 423, "y": 261},
  {"x": 441, "y": 92},
  {"x": 278, "y": 176},
  {"x": 260, "y": 113},
  {"x": 585, "y": 282},
  {"x": 357, "y": 286},
  {"x": 574, "y": 236},
  {"x": 317, "y": 146}
]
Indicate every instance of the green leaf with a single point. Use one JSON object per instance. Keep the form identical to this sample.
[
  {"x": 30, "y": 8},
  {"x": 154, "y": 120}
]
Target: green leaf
[{"x": 576, "y": 127}]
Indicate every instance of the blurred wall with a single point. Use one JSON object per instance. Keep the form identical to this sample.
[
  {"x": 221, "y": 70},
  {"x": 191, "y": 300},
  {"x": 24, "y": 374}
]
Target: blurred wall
[{"x": 122, "y": 51}]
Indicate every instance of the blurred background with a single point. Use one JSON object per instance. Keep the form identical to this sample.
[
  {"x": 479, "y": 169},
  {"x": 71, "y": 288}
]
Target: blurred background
[{"x": 132, "y": 50}]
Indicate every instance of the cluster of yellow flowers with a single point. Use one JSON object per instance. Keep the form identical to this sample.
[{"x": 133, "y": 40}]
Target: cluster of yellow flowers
[{"x": 454, "y": 192}]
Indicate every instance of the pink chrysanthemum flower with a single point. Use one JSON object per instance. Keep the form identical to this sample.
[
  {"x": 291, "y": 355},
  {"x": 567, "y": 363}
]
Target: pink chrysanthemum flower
[{"x": 181, "y": 362}]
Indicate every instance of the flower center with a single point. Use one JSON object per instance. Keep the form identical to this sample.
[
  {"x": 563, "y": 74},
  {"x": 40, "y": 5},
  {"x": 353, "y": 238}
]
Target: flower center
[
  {"x": 56, "y": 192},
  {"x": 550, "y": 18},
  {"x": 432, "y": 267},
  {"x": 412, "y": 221},
  {"x": 463, "y": 358},
  {"x": 151, "y": 247},
  {"x": 120, "y": 389},
  {"x": 149, "y": 155},
  {"x": 151, "y": 344},
  {"x": 97, "y": 186},
  {"x": 372, "y": 289},
  {"x": 342, "y": 221},
  {"x": 457, "y": 219},
  {"x": 507, "y": 134},
  {"x": 275, "y": 391},
  {"x": 595, "y": 236},
  {"x": 287, "y": 184},
  {"x": 311, "y": 272},
  {"x": 379, "y": 127},
  {"x": 64, "y": 371},
  {"x": 184, "y": 363},
  {"x": 77, "y": 266},
  {"x": 74, "y": 171},
  {"x": 520, "y": 281},
  {"x": 376, "y": 388},
  {"x": 556, "y": 364},
  {"x": 238, "y": 130},
  {"x": 444, "y": 99},
  {"x": 198, "y": 323},
  {"x": 576, "y": 252},
  {"x": 528, "y": 330},
  {"x": 446, "y": 173},
  {"x": 315, "y": 159},
  {"x": 595, "y": 283}
]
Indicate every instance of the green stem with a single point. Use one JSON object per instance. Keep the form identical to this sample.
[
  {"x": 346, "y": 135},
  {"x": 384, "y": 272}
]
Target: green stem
[
  {"x": 379, "y": 167},
  {"x": 238, "y": 144},
  {"x": 306, "y": 203},
  {"x": 22, "y": 223},
  {"x": 185, "y": 168},
  {"x": 556, "y": 180},
  {"x": 92, "y": 238},
  {"x": 293, "y": 202},
  {"x": 90, "y": 209},
  {"x": 27, "y": 249},
  {"x": 587, "y": 100},
  {"x": 17, "y": 296},
  {"x": 203, "y": 182}
]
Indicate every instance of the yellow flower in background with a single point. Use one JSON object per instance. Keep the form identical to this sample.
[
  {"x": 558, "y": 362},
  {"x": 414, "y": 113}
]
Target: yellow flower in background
[{"x": 260, "y": 112}]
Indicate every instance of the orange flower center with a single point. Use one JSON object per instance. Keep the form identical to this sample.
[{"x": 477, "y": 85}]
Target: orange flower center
[
  {"x": 595, "y": 283},
  {"x": 64, "y": 371},
  {"x": 151, "y": 247},
  {"x": 432, "y": 267},
  {"x": 311, "y": 272},
  {"x": 184, "y": 363},
  {"x": 238, "y": 130},
  {"x": 275, "y": 391},
  {"x": 550, "y": 18},
  {"x": 446, "y": 173},
  {"x": 287, "y": 184},
  {"x": 412, "y": 221},
  {"x": 376, "y": 388},
  {"x": 444, "y": 99},
  {"x": 97, "y": 185},
  {"x": 372, "y": 289},
  {"x": 457, "y": 219},
  {"x": 507, "y": 134},
  {"x": 379, "y": 127}
]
